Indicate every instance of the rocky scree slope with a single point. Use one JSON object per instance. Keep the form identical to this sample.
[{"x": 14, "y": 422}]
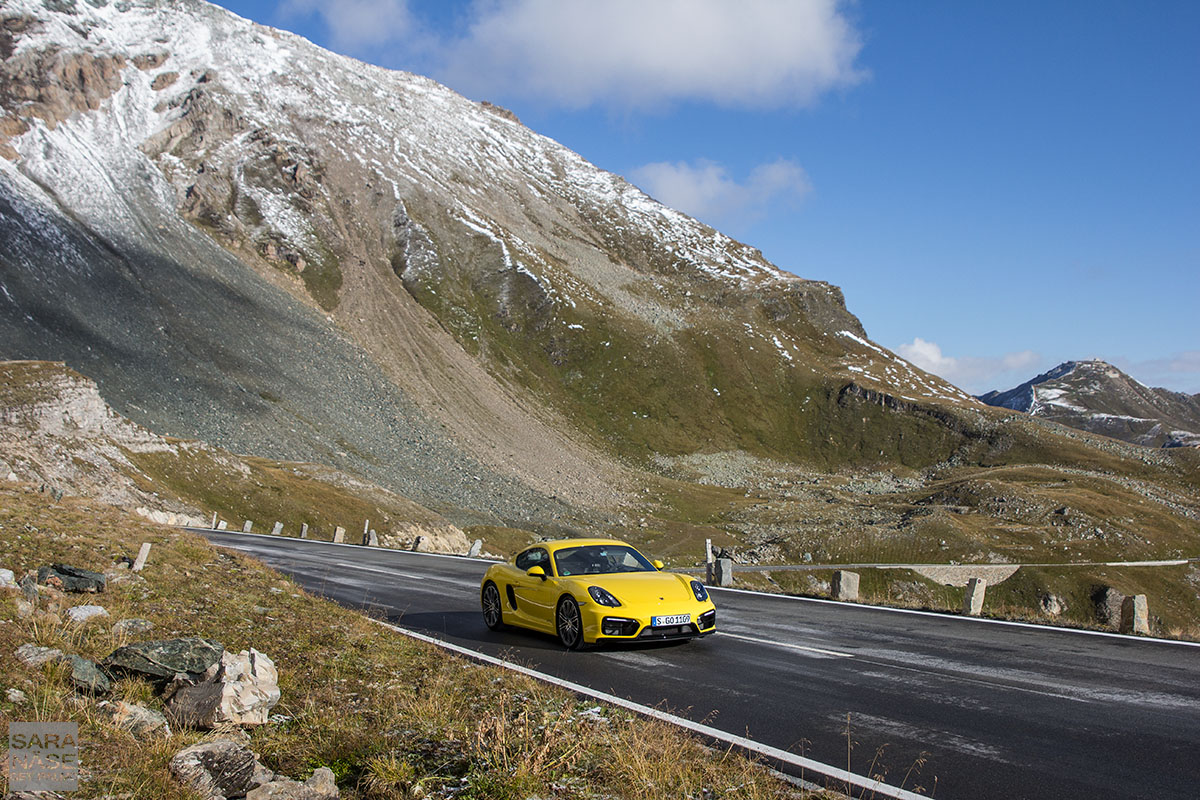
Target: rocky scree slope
[
  {"x": 1096, "y": 396},
  {"x": 250, "y": 241},
  {"x": 56, "y": 431}
]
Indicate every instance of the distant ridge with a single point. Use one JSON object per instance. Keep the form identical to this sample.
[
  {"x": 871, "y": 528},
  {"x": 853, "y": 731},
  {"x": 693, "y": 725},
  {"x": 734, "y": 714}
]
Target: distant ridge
[{"x": 1095, "y": 396}]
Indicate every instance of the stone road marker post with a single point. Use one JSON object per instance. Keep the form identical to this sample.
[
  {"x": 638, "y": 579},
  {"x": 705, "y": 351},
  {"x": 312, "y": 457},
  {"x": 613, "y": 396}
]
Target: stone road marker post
[
  {"x": 214, "y": 522},
  {"x": 973, "y": 598},
  {"x": 476, "y": 548},
  {"x": 372, "y": 538},
  {"x": 1135, "y": 614},
  {"x": 247, "y": 526},
  {"x": 142, "y": 555},
  {"x": 366, "y": 532},
  {"x": 339, "y": 534},
  {"x": 303, "y": 530},
  {"x": 724, "y": 572},
  {"x": 844, "y": 586},
  {"x": 278, "y": 529}
]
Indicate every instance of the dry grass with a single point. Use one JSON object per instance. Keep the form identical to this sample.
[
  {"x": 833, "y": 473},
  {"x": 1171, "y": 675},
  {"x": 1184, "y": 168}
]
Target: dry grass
[{"x": 392, "y": 718}]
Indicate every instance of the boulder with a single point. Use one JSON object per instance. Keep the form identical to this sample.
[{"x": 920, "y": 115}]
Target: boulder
[
  {"x": 8, "y": 579},
  {"x": 31, "y": 655},
  {"x": 81, "y": 614},
  {"x": 131, "y": 627},
  {"x": 144, "y": 723},
  {"x": 320, "y": 786},
  {"x": 1052, "y": 605},
  {"x": 87, "y": 675},
  {"x": 70, "y": 579},
  {"x": 215, "y": 770},
  {"x": 193, "y": 658},
  {"x": 243, "y": 692}
]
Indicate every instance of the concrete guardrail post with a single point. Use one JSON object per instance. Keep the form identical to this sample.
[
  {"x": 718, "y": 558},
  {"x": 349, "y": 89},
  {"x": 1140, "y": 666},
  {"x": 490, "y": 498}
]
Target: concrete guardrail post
[
  {"x": 844, "y": 586},
  {"x": 475, "y": 549},
  {"x": 278, "y": 529},
  {"x": 247, "y": 526},
  {"x": 366, "y": 532},
  {"x": 372, "y": 538},
  {"x": 214, "y": 522},
  {"x": 222, "y": 525},
  {"x": 303, "y": 530},
  {"x": 339, "y": 534},
  {"x": 973, "y": 598},
  {"x": 1135, "y": 614}
]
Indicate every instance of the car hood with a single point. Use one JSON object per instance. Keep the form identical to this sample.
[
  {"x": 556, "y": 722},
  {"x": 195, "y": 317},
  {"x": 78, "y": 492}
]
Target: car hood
[{"x": 643, "y": 587}]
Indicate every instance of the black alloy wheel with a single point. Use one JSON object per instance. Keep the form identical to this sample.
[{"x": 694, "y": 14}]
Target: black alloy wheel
[
  {"x": 493, "y": 615},
  {"x": 569, "y": 624}
]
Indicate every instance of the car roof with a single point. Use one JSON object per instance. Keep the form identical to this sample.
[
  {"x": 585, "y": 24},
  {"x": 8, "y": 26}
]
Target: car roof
[{"x": 559, "y": 544}]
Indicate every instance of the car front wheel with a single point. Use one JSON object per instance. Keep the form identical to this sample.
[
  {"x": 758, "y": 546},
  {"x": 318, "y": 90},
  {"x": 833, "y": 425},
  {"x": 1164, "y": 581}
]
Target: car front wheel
[
  {"x": 493, "y": 616},
  {"x": 569, "y": 624}
]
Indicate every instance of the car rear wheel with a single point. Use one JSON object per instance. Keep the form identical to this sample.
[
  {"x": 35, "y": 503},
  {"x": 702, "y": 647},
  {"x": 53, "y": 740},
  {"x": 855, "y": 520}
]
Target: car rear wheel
[
  {"x": 569, "y": 624},
  {"x": 493, "y": 615}
]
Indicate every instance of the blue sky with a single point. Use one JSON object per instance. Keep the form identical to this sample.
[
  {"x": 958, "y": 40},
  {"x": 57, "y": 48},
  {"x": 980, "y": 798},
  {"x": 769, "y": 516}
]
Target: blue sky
[{"x": 997, "y": 187}]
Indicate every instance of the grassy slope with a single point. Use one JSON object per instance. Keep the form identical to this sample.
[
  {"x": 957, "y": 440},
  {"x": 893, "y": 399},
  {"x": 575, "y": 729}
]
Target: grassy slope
[{"x": 391, "y": 717}]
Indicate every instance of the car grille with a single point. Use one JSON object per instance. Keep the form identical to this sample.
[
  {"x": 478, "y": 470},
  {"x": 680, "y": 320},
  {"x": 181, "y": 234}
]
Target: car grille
[{"x": 708, "y": 620}]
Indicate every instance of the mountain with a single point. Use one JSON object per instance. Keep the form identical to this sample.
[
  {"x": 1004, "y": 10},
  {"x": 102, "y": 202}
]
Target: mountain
[
  {"x": 1096, "y": 396},
  {"x": 248, "y": 240}
]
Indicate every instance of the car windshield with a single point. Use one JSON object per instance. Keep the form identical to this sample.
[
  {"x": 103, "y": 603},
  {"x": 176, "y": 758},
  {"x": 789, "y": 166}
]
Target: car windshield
[{"x": 599, "y": 559}]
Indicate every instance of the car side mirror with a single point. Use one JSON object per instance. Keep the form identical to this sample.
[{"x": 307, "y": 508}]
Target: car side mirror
[
  {"x": 658, "y": 565},
  {"x": 536, "y": 572}
]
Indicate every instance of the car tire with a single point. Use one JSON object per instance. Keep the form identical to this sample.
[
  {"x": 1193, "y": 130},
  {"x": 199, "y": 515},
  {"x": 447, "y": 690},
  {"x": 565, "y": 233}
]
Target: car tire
[
  {"x": 569, "y": 623},
  {"x": 493, "y": 612}
]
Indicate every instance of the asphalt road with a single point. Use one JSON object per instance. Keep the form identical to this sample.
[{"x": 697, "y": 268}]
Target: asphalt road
[{"x": 996, "y": 711}]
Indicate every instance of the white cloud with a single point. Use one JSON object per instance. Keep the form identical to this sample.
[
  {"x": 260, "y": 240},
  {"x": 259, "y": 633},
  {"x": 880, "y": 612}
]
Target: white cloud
[
  {"x": 706, "y": 190},
  {"x": 356, "y": 25},
  {"x": 638, "y": 54},
  {"x": 975, "y": 374}
]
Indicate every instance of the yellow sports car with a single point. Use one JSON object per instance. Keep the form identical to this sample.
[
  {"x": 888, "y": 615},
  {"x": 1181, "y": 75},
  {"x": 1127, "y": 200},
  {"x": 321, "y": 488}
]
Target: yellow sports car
[{"x": 592, "y": 590}]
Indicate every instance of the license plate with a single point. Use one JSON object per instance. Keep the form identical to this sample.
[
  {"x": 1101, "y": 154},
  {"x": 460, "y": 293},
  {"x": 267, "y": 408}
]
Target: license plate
[{"x": 674, "y": 619}]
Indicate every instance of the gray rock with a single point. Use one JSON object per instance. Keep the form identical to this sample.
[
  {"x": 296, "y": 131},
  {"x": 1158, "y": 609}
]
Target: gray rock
[
  {"x": 25, "y": 609},
  {"x": 163, "y": 660},
  {"x": 144, "y": 723},
  {"x": 28, "y": 586},
  {"x": 32, "y": 655},
  {"x": 81, "y": 614},
  {"x": 243, "y": 693},
  {"x": 131, "y": 626},
  {"x": 15, "y": 696},
  {"x": 216, "y": 770},
  {"x": 87, "y": 675},
  {"x": 70, "y": 579},
  {"x": 320, "y": 786},
  {"x": 8, "y": 579},
  {"x": 1052, "y": 605}
]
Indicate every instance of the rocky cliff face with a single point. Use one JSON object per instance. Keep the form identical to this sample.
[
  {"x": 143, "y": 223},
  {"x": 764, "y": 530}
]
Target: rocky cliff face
[{"x": 1096, "y": 396}]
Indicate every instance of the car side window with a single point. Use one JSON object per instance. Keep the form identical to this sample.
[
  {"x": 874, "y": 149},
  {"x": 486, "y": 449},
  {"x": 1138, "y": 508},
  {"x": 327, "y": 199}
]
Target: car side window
[{"x": 533, "y": 557}]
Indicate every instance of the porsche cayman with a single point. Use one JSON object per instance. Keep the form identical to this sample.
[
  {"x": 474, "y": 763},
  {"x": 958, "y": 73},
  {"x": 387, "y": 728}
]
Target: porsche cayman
[{"x": 595, "y": 590}]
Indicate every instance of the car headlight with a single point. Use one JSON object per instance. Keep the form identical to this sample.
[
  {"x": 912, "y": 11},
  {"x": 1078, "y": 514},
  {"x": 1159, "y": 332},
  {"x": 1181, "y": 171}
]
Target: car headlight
[
  {"x": 699, "y": 590},
  {"x": 603, "y": 597}
]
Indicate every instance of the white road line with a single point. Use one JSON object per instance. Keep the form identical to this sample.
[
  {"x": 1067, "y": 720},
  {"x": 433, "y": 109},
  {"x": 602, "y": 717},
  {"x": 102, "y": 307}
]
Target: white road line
[
  {"x": 868, "y": 785},
  {"x": 769, "y": 643}
]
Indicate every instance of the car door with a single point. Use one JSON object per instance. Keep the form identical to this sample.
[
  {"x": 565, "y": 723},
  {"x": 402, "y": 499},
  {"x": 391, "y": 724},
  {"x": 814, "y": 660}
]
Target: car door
[{"x": 534, "y": 597}]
